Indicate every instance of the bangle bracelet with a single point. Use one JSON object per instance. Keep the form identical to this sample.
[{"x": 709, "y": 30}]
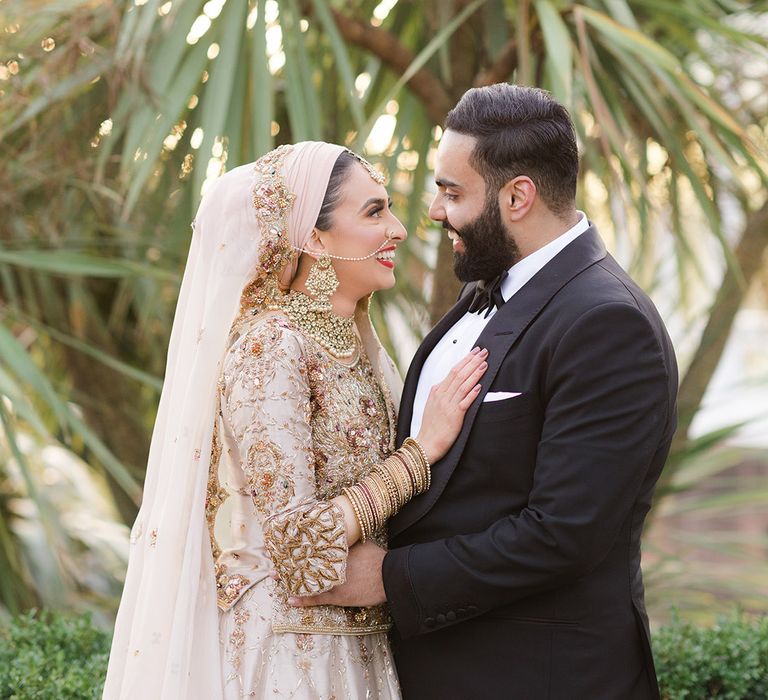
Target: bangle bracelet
[
  {"x": 347, "y": 492},
  {"x": 415, "y": 443}
]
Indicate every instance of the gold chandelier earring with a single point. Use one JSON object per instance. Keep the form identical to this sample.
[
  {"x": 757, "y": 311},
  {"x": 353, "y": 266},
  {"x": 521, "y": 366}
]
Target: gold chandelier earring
[{"x": 322, "y": 282}]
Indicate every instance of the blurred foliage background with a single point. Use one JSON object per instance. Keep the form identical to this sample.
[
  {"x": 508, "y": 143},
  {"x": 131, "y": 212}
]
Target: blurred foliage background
[{"x": 114, "y": 116}]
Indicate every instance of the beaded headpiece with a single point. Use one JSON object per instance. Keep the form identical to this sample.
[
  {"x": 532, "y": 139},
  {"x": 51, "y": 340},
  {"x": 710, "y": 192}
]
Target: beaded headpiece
[{"x": 376, "y": 175}]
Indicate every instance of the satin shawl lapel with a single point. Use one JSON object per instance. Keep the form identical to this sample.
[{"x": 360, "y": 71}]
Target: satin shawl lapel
[
  {"x": 499, "y": 335},
  {"x": 414, "y": 371}
]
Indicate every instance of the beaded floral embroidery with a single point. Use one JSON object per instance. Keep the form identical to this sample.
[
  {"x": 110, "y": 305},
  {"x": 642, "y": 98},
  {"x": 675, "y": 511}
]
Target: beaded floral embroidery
[
  {"x": 229, "y": 587},
  {"x": 215, "y": 495},
  {"x": 268, "y": 484},
  {"x": 308, "y": 547},
  {"x": 272, "y": 202}
]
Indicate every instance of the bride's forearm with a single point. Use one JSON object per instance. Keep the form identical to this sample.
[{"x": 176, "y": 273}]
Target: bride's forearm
[
  {"x": 351, "y": 523},
  {"x": 384, "y": 490}
]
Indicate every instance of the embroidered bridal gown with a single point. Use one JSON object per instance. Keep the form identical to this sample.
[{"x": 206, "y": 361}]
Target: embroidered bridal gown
[{"x": 295, "y": 426}]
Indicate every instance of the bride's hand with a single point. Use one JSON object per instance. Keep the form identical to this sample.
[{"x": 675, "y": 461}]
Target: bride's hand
[{"x": 448, "y": 402}]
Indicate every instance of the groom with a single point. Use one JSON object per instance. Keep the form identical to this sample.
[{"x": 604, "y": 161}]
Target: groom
[{"x": 517, "y": 575}]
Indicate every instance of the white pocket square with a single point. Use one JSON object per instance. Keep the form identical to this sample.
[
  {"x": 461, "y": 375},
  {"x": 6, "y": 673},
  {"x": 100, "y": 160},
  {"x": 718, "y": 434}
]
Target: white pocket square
[{"x": 500, "y": 395}]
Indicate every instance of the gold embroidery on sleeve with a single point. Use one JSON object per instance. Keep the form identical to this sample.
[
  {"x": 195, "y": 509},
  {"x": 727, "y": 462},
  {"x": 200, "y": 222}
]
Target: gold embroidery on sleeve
[
  {"x": 268, "y": 476},
  {"x": 308, "y": 547}
]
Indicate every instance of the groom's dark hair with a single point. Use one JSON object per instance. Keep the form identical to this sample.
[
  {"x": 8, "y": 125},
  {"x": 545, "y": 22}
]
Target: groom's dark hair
[{"x": 520, "y": 131}]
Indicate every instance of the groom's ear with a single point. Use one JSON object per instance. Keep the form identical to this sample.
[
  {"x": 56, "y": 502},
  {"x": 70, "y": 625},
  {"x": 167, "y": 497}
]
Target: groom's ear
[{"x": 516, "y": 198}]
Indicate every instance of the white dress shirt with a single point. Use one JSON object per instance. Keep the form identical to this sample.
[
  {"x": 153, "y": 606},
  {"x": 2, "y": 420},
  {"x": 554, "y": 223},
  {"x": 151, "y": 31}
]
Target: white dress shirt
[{"x": 461, "y": 338}]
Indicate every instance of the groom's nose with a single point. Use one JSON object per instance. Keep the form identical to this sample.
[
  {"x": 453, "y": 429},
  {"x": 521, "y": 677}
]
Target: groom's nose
[{"x": 436, "y": 209}]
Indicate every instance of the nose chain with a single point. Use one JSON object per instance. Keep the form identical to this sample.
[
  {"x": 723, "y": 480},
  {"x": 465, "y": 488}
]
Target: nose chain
[{"x": 389, "y": 234}]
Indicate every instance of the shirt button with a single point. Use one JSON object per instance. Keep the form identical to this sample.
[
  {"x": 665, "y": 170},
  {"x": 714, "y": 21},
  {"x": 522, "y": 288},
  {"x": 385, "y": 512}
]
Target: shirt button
[{"x": 455, "y": 340}]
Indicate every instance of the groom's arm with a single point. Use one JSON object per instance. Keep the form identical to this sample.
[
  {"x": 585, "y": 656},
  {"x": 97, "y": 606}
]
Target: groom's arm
[{"x": 607, "y": 413}]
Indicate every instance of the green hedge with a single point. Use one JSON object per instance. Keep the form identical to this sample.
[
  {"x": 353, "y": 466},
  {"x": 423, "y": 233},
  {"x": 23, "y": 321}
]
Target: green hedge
[
  {"x": 49, "y": 657},
  {"x": 728, "y": 661}
]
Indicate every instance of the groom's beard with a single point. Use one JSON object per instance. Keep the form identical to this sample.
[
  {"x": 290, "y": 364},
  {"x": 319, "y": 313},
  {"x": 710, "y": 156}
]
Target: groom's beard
[{"x": 489, "y": 249}]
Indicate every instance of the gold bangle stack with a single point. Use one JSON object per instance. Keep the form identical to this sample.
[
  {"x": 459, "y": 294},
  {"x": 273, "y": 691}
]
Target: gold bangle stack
[{"x": 389, "y": 486}]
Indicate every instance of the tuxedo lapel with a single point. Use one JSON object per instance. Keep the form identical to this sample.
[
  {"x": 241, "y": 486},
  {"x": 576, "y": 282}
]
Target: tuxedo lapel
[
  {"x": 506, "y": 326},
  {"x": 414, "y": 371}
]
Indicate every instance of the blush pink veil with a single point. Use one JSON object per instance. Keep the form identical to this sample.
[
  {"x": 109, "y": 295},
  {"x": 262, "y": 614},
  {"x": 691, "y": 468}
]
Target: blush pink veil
[{"x": 166, "y": 639}]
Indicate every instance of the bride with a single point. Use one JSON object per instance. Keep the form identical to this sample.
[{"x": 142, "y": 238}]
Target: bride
[{"x": 274, "y": 447}]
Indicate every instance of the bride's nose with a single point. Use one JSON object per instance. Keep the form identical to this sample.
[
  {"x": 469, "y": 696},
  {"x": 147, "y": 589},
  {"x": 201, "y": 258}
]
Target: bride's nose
[{"x": 396, "y": 230}]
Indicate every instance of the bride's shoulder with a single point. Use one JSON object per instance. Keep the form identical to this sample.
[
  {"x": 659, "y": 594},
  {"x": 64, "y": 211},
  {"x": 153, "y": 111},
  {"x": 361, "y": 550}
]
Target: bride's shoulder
[{"x": 266, "y": 333}]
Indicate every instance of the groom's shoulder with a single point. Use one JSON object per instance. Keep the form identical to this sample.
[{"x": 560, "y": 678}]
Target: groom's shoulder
[
  {"x": 603, "y": 282},
  {"x": 603, "y": 285},
  {"x": 601, "y": 290}
]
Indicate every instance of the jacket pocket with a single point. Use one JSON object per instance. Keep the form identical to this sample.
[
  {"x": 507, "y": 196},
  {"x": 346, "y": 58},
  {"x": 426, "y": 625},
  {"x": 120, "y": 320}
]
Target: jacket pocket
[{"x": 506, "y": 409}]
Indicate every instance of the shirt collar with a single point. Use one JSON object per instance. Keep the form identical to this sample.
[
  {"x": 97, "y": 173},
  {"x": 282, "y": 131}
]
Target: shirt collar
[{"x": 522, "y": 271}]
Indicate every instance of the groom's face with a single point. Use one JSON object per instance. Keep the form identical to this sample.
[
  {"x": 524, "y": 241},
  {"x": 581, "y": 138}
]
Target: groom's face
[{"x": 482, "y": 245}]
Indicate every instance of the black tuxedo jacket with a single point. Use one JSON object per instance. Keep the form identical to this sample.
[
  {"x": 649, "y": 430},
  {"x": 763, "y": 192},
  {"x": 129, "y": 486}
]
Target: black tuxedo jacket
[{"x": 517, "y": 575}]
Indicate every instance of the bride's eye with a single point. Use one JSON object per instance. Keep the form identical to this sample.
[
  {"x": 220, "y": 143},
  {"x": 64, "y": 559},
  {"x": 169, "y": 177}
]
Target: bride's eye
[{"x": 376, "y": 210}]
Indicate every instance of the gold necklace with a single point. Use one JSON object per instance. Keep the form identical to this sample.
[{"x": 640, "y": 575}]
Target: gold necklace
[{"x": 334, "y": 333}]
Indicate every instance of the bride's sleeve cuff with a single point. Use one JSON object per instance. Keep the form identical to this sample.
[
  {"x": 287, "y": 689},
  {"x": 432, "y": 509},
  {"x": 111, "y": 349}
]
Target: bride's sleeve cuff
[{"x": 308, "y": 547}]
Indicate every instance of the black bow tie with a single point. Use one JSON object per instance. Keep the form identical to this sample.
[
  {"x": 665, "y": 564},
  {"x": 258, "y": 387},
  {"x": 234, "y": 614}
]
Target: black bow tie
[{"x": 488, "y": 294}]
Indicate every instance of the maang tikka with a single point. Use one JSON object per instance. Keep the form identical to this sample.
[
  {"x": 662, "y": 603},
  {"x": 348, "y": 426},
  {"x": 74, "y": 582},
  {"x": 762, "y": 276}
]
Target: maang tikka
[{"x": 322, "y": 282}]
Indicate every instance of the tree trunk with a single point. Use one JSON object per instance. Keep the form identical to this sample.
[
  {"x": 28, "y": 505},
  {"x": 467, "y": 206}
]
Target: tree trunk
[{"x": 749, "y": 255}]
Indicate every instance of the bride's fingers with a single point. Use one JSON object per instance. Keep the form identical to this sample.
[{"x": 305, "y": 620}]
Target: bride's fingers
[
  {"x": 457, "y": 388},
  {"x": 470, "y": 382},
  {"x": 466, "y": 402}
]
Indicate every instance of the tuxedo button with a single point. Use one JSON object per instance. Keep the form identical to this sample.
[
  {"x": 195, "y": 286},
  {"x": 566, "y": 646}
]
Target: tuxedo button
[
  {"x": 462, "y": 611},
  {"x": 450, "y": 616},
  {"x": 441, "y": 619},
  {"x": 471, "y": 608},
  {"x": 430, "y": 622}
]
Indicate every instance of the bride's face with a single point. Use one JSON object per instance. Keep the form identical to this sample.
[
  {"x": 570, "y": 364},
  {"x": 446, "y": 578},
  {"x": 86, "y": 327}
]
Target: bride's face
[{"x": 360, "y": 224}]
